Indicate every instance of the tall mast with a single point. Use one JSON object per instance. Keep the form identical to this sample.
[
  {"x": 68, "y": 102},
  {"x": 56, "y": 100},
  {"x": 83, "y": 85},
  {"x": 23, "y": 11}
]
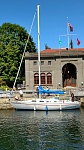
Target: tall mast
[{"x": 39, "y": 42}]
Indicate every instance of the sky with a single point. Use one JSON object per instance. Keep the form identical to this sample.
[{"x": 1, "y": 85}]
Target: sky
[{"x": 54, "y": 16}]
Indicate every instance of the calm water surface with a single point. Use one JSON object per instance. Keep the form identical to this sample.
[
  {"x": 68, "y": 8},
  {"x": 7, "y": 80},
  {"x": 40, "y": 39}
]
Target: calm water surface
[{"x": 28, "y": 130}]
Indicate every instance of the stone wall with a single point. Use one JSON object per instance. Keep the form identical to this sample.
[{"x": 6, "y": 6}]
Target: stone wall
[{"x": 5, "y": 104}]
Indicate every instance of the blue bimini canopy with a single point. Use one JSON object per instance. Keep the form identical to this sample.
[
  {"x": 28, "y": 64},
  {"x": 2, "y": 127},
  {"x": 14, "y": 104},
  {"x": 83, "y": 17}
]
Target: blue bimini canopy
[{"x": 41, "y": 90}]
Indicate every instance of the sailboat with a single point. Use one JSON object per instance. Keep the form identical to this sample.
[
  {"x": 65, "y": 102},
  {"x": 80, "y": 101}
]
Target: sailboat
[{"x": 45, "y": 104}]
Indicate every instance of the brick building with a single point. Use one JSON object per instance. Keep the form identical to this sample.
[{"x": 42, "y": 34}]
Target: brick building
[{"x": 59, "y": 68}]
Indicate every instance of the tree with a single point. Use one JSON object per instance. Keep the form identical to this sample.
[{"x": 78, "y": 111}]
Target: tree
[
  {"x": 12, "y": 42},
  {"x": 46, "y": 46}
]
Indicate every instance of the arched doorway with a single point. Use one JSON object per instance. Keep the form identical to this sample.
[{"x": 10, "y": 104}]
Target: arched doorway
[{"x": 69, "y": 75}]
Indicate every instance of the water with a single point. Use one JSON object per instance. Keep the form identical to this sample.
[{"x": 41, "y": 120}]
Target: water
[{"x": 55, "y": 130}]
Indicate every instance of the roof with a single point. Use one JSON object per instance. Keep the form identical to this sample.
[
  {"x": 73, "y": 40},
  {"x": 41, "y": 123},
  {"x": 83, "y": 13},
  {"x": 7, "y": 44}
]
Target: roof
[
  {"x": 62, "y": 49},
  {"x": 63, "y": 52}
]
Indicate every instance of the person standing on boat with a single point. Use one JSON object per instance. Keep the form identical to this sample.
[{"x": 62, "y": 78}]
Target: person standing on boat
[
  {"x": 72, "y": 96},
  {"x": 37, "y": 91}
]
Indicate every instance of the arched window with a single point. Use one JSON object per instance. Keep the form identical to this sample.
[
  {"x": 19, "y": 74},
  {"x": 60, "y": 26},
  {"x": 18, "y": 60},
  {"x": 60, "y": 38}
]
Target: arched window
[
  {"x": 49, "y": 78},
  {"x": 36, "y": 78},
  {"x": 42, "y": 78}
]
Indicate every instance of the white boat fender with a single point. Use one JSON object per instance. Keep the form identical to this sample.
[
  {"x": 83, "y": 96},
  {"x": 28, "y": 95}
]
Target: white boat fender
[
  {"x": 34, "y": 107},
  {"x": 60, "y": 107}
]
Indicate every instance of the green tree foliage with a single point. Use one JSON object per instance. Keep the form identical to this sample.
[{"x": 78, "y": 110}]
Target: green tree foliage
[
  {"x": 12, "y": 42},
  {"x": 46, "y": 46}
]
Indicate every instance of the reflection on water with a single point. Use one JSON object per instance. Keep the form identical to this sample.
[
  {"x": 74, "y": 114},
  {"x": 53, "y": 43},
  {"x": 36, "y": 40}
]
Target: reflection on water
[{"x": 54, "y": 130}]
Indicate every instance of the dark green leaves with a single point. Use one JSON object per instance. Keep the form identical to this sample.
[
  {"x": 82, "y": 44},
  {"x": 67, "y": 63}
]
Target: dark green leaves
[{"x": 12, "y": 43}]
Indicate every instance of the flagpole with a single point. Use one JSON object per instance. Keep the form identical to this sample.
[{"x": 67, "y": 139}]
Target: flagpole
[
  {"x": 67, "y": 34},
  {"x": 59, "y": 46},
  {"x": 59, "y": 41}
]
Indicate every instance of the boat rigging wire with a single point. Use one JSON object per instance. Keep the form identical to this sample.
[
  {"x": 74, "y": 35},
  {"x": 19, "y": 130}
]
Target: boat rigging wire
[{"x": 25, "y": 48}]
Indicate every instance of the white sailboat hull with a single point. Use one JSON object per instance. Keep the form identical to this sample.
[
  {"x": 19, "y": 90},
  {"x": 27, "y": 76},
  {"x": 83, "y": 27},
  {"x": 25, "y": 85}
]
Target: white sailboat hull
[{"x": 45, "y": 105}]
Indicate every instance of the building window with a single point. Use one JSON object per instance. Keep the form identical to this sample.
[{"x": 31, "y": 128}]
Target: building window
[
  {"x": 43, "y": 78},
  {"x": 36, "y": 78},
  {"x": 42, "y": 62},
  {"x": 35, "y": 63},
  {"x": 49, "y": 62},
  {"x": 49, "y": 78}
]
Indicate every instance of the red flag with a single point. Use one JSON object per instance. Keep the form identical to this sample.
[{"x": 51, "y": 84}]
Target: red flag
[
  {"x": 70, "y": 26},
  {"x": 78, "y": 42}
]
